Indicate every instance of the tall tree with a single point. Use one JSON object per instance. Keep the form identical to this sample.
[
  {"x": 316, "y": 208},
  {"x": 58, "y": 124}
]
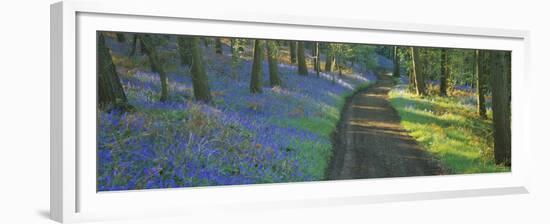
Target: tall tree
[
  {"x": 149, "y": 45},
  {"x": 133, "y": 45},
  {"x": 256, "y": 73},
  {"x": 272, "y": 53},
  {"x": 235, "y": 55},
  {"x": 417, "y": 72},
  {"x": 120, "y": 37},
  {"x": 292, "y": 51},
  {"x": 201, "y": 89},
  {"x": 444, "y": 72},
  {"x": 329, "y": 58},
  {"x": 184, "y": 50},
  {"x": 500, "y": 83},
  {"x": 219, "y": 49},
  {"x": 302, "y": 67},
  {"x": 396, "y": 67},
  {"x": 480, "y": 73},
  {"x": 110, "y": 92},
  {"x": 317, "y": 58}
]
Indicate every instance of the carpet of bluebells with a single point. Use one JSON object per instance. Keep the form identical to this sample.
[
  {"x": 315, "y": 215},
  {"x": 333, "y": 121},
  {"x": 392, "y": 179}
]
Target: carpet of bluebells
[{"x": 280, "y": 135}]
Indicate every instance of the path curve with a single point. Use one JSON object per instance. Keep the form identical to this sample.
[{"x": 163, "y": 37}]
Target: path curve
[{"x": 371, "y": 143}]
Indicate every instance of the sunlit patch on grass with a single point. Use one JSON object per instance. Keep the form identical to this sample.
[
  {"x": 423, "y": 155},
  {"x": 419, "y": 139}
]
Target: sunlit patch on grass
[{"x": 450, "y": 130}]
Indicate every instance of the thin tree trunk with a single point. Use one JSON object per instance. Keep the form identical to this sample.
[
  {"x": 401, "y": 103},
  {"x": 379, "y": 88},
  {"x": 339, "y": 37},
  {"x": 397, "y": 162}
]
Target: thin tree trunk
[
  {"x": 396, "y": 67},
  {"x": 274, "y": 79},
  {"x": 219, "y": 49},
  {"x": 134, "y": 44},
  {"x": 329, "y": 59},
  {"x": 184, "y": 49},
  {"x": 417, "y": 73},
  {"x": 302, "y": 67},
  {"x": 317, "y": 62},
  {"x": 444, "y": 72},
  {"x": 292, "y": 51},
  {"x": 156, "y": 65},
  {"x": 481, "y": 110},
  {"x": 256, "y": 73},
  {"x": 501, "y": 106},
  {"x": 120, "y": 37},
  {"x": 201, "y": 89},
  {"x": 110, "y": 91}
]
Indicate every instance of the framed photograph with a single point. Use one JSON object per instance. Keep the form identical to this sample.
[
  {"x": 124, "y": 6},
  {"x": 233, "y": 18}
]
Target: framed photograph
[{"x": 166, "y": 110}]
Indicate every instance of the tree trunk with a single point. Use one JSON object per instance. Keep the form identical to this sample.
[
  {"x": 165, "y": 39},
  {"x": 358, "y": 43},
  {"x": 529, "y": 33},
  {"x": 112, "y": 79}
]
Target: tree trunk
[
  {"x": 201, "y": 89},
  {"x": 302, "y": 67},
  {"x": 329, "y": 60},
  {"x": 219, "y": 49},
  {"x": 110, "y": 91},
  {"x": 184, "y": 49},
  {"x": 501, "y": 106},
  {"x": 444, "y": 72},
  {"x": 317, "y": 61},
  {"x": 156, "y": 64},
  {"x": 417, "y": 72},
  {"x": 481, "y": 110},
  {"x": 292, "y": 51},
  {"x": 134, "y": 44},
  {"x": 256, "y": 74},
  {"x": 396, "y": 67},
  {"x": 274, "y": 79},
  {"x": 120, "y": 37}
]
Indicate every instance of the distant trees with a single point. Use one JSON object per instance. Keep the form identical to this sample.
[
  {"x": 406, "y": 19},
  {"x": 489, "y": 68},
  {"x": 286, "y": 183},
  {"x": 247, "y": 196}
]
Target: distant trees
[
  {"x": 256, "y": 73},
  {"x": 110, "y": 92},
  {"x": 444, "y": 72},
  {"x": 500, "y": 82},
  {"x": 302, "y": 67},
  {"x": 156, "y": 65},
  {"x": 272, "y": 53}
]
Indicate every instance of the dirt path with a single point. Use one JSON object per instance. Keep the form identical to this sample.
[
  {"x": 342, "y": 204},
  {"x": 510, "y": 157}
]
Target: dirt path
[{"x": 371, "y": 143}]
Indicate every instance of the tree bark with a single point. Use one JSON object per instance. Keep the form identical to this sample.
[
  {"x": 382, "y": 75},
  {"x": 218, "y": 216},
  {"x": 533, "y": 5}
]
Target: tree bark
[
  {"x": 417, "y": 72},
  {"x": 396, "y": 67},
  {"x": 292, "y": 51},
  {"x": 329, "y": 60},
  {"x": 501, "y": 106},
  {"x": 184, "y": 50},
  {"x": 219, "y": 49},
  {"x": 480, "y": 73},
  {"x": 120, "y": 37},
  {"x": 156, "y": 64},
  {"x": 256, "y": 74},
  {"x": 272, "y": 50},
  {"x": 110, "y": 91},
  {"x": 302, "y": 67},
  {"x": 317, "y": 61},
  {"x": 444, "y": 72},
  {"x": 201, "y": 89}
]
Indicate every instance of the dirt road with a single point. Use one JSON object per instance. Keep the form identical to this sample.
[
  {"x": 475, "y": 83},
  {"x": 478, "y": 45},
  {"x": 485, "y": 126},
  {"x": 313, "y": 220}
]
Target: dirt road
[{"x": 370, "y": 142}]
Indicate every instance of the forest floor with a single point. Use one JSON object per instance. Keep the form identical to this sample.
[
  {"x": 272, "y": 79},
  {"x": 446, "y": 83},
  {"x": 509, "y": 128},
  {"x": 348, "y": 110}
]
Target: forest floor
[{"x": 371, "y": 143}]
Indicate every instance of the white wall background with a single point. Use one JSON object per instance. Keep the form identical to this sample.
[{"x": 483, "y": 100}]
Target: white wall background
[{"x": 24, "y": 111}]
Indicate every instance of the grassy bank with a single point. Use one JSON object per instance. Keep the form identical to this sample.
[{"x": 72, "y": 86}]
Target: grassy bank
[{"x": 448, "y": 129}]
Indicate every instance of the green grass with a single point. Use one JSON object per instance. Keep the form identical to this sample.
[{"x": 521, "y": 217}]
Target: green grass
[{"x": 451, "y": 131}]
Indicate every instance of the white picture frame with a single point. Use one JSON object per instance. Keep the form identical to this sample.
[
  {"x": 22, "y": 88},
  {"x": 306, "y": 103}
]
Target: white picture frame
[{"x": 73, "y": 193}]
